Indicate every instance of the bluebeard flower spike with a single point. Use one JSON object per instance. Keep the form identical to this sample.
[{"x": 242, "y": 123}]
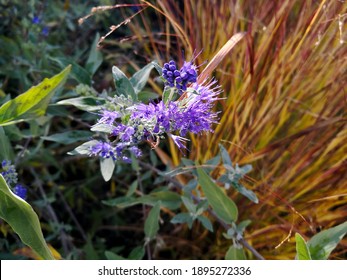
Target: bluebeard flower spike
[{"x": 191, "y": 113}]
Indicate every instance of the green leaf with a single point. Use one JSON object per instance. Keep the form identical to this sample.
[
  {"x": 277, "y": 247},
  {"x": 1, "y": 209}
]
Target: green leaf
[
  {"x": 146, "y": 96},
  {"x": 88, "y": 104},
  {"x": 168, "y": 94},
  {"x": 6, "y": 150},
  {"x": 69, "y": 137},
  {"x": 77, "y": 71},
  {"x": 107, "y": 166},
  {"x": 191, "y": 207},
  {"x": 302, "y": 251},
  {"x": 152, "y": 222},
  {"x": 95, "y": 57},
  {"x": 225, "y": 156},
  {"x": 234, "y": 253},
  {"x": 170, "y": 200},
  {"x": 102, "y": 127},
  {"x": 224, "y": 207},
  {"x": 123, "y": 85},
  {"x": 33, "y": 103},
  {"x": 323, "y": 243},
  {"x": 182, "y": 218},
  {"x": 132, "y": 188},
  {"x": 113, "y": 256},
  {"x": 242, "y": 226},
  {"x": 137, "y": 253},
  {"x": 140, "y": 78},
  {"x": 206, "y": 223},
  {"x": 23, "y": 220},
  {"x": 83, "y": 149},
  {"x": 246, "y": 192},
  {"x": 157, "y": 67}
]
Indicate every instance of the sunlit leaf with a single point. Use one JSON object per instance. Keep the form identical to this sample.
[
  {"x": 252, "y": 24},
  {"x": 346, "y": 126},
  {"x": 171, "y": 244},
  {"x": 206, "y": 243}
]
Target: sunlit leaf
[
  {"x": 302, "y": 251},
  {"x": 33, "y": 103}
]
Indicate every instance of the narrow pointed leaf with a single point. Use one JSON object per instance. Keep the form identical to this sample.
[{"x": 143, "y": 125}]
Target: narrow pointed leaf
[
  {"x": 323, "y": 243},
  {"x": 206, "y": 223},
  {"x": 140, "y": 78},
  {"x": 152, "y": 222},
  {"x": 85, "y": 103},
  {"x": 107, "y": 166},
  {"x": 122, "y": 83},
  {"x": 302, "y": 251},
  {"x": 235, "y": 254},
  {"x": 224, "y": 207}
]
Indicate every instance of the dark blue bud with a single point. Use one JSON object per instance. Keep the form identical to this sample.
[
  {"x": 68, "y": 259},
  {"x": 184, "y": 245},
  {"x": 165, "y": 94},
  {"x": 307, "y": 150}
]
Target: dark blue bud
[{"x": 179, "y": 80}]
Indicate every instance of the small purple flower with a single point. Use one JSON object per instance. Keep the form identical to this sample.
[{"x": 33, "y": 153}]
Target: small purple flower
[
  {"x": 102, "y": 149},
  {"x": 45, "y": 31},
  {"x": 36, "y": 20},
  {"x": 108, "y": 117},
  {"x": 127, "y": 134},
  {"x": 135, "y": 151},
  {"x": 178, "y": 141},
  {"x": 20, "y": 191}
]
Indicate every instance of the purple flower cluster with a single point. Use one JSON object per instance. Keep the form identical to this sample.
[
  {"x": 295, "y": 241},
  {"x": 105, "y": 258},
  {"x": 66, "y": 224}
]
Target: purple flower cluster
[
  {"x": 179, "y": 78},
  {"x": 11, "y": 177},
  {"x": 38, "y": 21},
  {"x": 140, "y": 122}
]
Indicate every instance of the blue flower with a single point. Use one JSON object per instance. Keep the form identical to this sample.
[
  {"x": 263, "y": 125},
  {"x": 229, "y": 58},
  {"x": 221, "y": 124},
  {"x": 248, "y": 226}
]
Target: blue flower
[
  {"x": 178, "y": 141},
  {"x": 109, "y": 117},
  {"x": 179, "y": 79},
  {"x": 102, "y": 149},
  {"x": 20, "y": 191},
  {"x": 45, "y": 31},
  {"x": 36, "y": 20},
  {"x": 191, "y": 113}
]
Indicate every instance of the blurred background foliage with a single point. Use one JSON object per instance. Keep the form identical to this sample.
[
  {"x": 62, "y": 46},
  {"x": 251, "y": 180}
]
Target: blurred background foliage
[{"x": 284, "y": 112}]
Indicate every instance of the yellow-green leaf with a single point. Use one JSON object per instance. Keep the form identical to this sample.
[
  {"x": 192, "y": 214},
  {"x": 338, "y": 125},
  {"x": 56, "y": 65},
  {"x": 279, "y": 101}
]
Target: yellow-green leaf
[
  {"x": 302, "y": 251},
  {"x": 33, "y": 103}
]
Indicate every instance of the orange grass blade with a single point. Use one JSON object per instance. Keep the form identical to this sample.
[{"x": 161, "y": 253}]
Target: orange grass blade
[{"x": 216, "y": 60}]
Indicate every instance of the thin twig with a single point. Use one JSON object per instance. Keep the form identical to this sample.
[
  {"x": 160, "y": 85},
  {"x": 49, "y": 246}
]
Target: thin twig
[
  {"x": 210, "y": 211},
  {"x": 73, "y": 217}
]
